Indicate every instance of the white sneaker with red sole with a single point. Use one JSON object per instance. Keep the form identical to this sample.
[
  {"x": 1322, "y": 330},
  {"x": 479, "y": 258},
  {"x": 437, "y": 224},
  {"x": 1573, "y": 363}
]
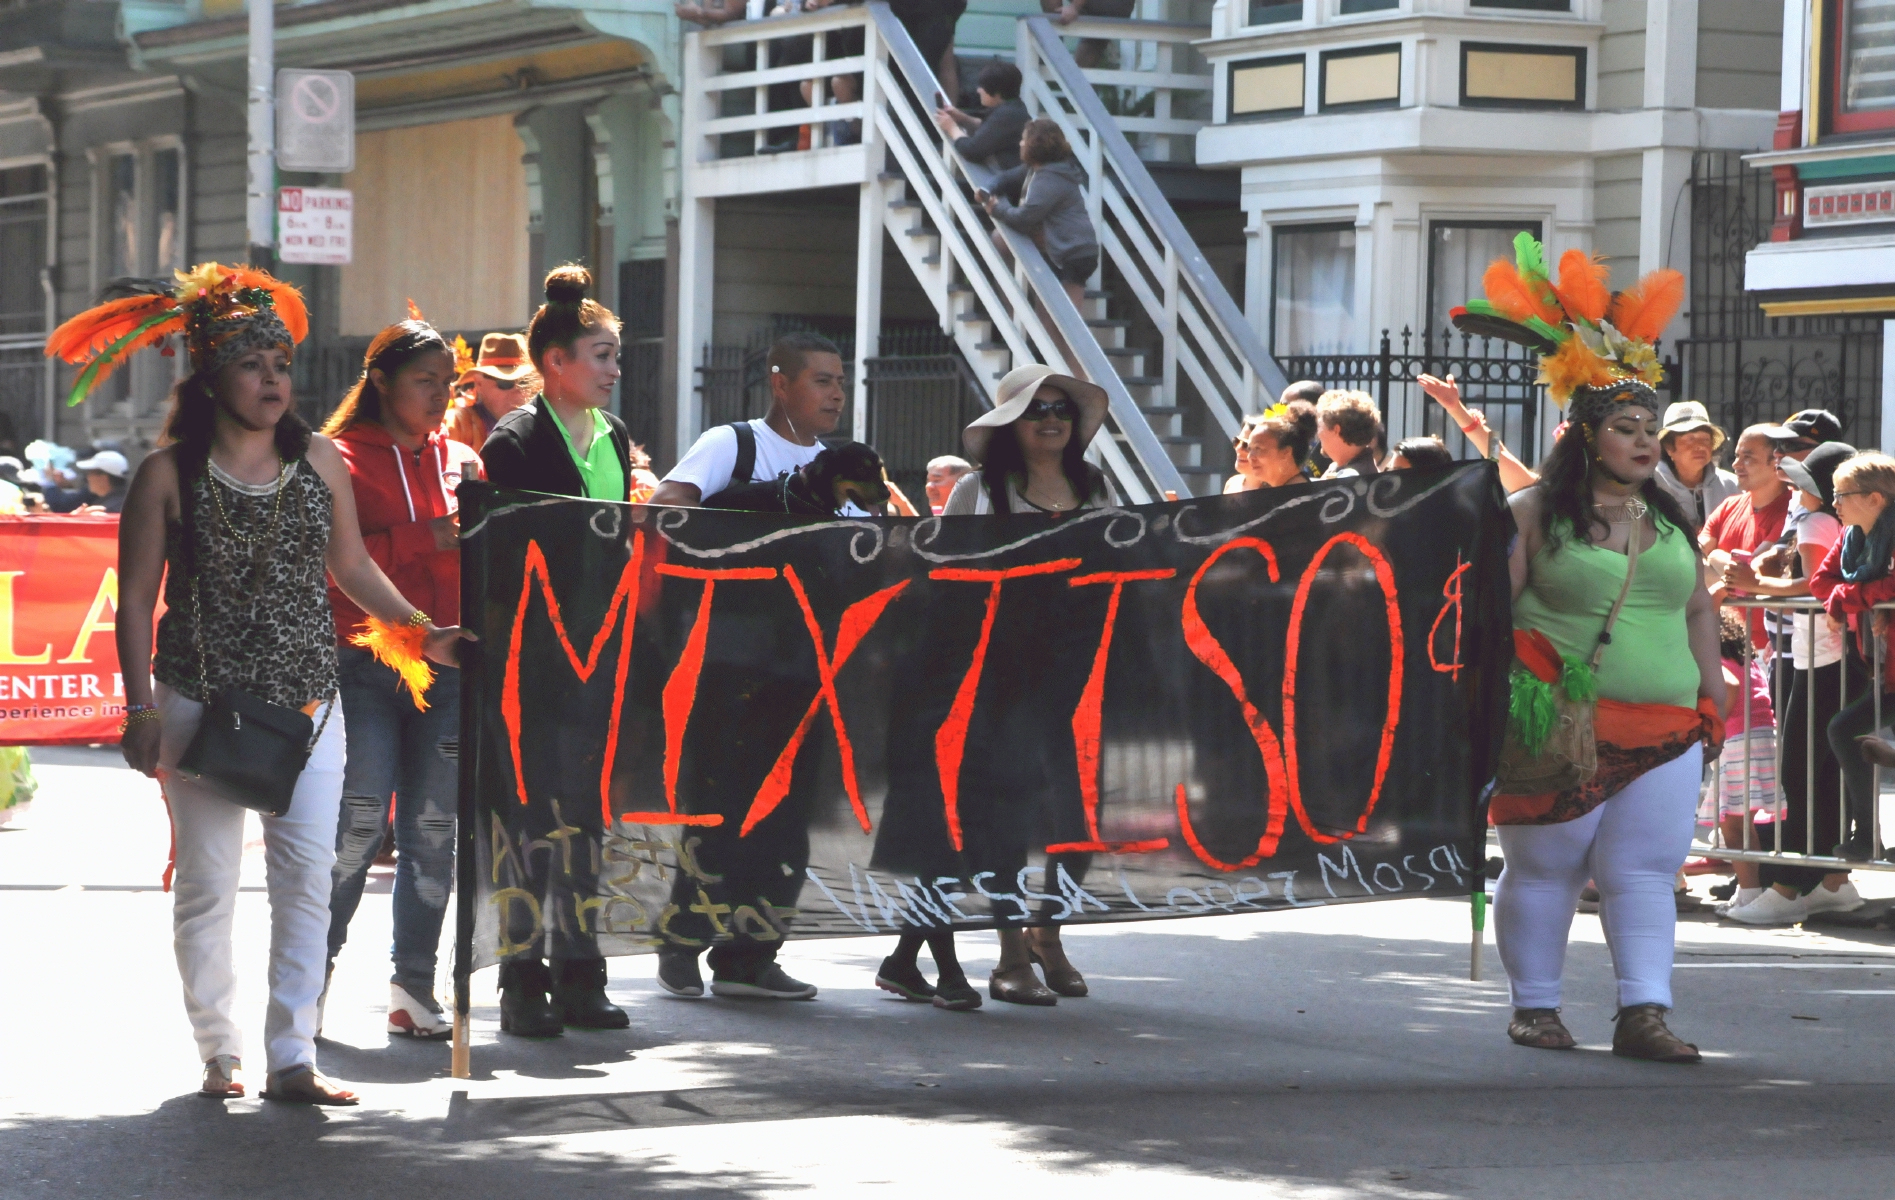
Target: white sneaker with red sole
[{"x": 416, "y": 1016}]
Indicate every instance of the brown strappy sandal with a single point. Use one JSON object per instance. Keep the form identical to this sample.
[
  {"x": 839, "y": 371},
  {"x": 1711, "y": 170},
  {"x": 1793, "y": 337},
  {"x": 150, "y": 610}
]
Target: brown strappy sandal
[
  {"x": 1539, "y": 1028},
  {"x": 1642, "y": 1033}
]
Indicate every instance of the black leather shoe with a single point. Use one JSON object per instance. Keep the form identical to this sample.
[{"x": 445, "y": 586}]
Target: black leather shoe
[
  {"x": 579, "y": 995},
  {"x": 524, "y": 1009}
]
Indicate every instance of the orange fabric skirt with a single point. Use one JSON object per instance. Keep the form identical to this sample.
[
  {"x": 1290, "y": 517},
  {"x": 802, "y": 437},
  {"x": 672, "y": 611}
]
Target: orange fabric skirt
[{"x": 1633, "y": 739}]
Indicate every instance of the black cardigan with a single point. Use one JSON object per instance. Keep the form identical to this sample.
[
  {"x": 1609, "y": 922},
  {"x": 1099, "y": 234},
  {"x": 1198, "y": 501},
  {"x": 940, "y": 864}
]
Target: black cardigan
[{"x": 527, "y": 451}]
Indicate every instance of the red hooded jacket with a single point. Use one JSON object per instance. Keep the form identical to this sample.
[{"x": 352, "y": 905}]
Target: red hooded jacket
[{"x": 397, "y": 492}]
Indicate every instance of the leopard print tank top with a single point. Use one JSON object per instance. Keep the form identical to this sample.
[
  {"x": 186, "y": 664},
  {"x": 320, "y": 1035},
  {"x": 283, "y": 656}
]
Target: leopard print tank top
[{"x": 267, "y": 628}]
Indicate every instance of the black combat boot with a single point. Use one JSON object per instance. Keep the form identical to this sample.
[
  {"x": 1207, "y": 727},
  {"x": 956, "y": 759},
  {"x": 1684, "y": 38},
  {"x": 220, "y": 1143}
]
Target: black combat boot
[
  {"x": 524, "y": 1009},
  {"x": 579, "y": 995}
]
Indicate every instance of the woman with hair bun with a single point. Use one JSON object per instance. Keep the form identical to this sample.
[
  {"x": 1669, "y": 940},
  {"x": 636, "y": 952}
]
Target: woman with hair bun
[
  {"x": 1273, "y": 447},
  {"x": 565, "y": 443},
  {"x": 403, "y": 469}
]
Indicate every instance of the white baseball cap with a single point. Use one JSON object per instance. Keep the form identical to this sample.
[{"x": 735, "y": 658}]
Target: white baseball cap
[{"x": 110, "y": 461}]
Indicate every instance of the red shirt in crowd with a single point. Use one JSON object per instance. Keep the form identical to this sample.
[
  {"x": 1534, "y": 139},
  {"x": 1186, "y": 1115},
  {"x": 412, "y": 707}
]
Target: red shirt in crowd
[
  {"x": 397, "y": 493},
  {"x": 1736, "y": 524}
]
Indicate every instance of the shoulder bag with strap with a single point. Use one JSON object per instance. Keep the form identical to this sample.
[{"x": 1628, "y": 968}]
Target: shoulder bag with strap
[
  {"x": 247, "y": 750},
  {"x": 746, "y": 464},
  {"x": 1567, "y": 752}
]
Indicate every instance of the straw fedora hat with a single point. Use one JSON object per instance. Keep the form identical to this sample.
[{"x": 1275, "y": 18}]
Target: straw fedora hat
[
  {"x": 503, "y": 356},
  {"x": 1016, "y": 392}
]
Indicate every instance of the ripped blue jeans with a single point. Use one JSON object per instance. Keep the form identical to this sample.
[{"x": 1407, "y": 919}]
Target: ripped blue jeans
[{"x": 397, "y": 751}]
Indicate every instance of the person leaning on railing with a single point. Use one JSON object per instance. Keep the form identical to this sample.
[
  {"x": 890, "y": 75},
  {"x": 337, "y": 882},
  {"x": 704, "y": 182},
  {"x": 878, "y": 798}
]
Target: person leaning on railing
[
  {"x": 1787, "y": 894},
  {"x": 1051, "y": 211},
  {"x": 1852, "y": 580},
  {"x": 994, "y": 136}
]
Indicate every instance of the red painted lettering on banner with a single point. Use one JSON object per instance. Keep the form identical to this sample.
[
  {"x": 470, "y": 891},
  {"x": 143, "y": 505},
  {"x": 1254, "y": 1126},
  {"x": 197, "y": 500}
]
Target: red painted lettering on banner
[
  {"x": 857, "y": 620},
  {"x": 1451, "y": 590},
  {"x": 950, "y": 741},
  {"x": 1385, "y": 577},
  {"x": 625, "y": 596},
  {"x": 1210, "y": 652},
  {"x": 1086, "y": 721},
  {"x": 680, "y": 692}
]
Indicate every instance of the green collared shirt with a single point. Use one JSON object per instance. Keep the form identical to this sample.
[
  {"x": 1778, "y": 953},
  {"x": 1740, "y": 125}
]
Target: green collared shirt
[{"x": 599, "y": 468}]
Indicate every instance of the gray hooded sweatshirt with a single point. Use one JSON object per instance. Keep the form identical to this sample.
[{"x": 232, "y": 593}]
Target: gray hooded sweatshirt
[{"x": 1052, "y": 209}]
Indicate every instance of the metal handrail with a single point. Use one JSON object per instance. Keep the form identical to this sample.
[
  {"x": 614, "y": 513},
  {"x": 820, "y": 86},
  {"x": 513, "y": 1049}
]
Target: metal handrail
[
  {"x": 1259, "y": 369},
  {"x": 1805, "y": 607},
  {"x": 1030, "y": 278}
]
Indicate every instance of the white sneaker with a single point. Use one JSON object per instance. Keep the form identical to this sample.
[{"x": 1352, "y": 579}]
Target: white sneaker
[
  {"x": 1771, "y": 908},
  {"x": 1843, "y": 899},
  {"x": 1744, "y": 896},
  {"x": 416, "y": 1016}
]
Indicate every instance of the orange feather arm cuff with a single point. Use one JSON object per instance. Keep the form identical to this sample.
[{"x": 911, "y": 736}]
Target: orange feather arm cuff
[{"x": 399, "y": 648}]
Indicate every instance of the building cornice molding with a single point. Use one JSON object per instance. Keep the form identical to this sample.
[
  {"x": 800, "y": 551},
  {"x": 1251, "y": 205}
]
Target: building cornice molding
[{"x": 1339, "y": 35}]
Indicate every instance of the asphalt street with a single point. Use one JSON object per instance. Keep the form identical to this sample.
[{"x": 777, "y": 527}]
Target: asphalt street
[{"x": 1312, "y": 1055}]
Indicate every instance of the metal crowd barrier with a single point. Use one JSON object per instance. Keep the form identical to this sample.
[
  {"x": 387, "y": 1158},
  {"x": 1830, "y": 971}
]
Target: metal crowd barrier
[{"x": 1780, "y": 670}]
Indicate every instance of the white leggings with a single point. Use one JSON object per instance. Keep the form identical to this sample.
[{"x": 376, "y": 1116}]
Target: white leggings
[
  {"x": 299, "y": 849},
  {"x": 1631, "y": 848}
]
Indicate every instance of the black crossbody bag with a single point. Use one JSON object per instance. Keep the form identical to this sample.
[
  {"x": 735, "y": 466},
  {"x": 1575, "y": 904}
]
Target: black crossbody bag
[{"x": 247, "y": 750}]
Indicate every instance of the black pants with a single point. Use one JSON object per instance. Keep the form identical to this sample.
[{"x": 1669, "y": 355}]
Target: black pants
[
  {"x": 1858, "y": 776},
  {"x": 1819, "y": 689}
]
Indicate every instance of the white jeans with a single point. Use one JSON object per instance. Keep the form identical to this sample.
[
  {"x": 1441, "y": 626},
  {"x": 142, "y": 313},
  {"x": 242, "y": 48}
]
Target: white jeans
[
  {"x": 299, "y": 851},
  {"x": 1631, "y": 848}
]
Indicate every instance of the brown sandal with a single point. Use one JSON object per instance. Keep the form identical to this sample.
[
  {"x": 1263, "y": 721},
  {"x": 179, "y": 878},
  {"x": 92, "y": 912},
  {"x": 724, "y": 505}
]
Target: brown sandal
[
  {"x": 1539, "y": 1028},
  {"x": 1642, "y": 1033},
  {"x": 303, "y": 1084},
  {"x": 1019, "y": 985},
  {"x": 1050, "y": 956}
]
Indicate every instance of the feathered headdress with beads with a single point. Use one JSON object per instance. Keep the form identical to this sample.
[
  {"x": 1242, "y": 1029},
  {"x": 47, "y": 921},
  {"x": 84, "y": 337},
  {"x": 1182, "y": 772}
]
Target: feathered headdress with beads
[
  {"x": 1595, "y": 346},
  {"x": 223, "y": 312}
]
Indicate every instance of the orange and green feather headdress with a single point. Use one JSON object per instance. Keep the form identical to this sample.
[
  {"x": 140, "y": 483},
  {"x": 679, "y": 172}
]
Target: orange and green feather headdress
[
  {"x": 1590, "y": 341},
  {"x": 223, "y": 312}
]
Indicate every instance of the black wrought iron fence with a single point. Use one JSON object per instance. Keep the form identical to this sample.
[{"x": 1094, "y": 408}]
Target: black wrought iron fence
[
  {"x": 1496, "y": 377},
  {"x": 1747, "y": 367}
]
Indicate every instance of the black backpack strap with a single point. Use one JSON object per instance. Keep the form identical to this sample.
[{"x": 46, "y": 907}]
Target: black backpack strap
[{"x": 746, "y": 453}]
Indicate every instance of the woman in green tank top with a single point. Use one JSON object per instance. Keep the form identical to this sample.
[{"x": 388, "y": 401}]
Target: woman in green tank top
[{"x": 1629, "y": 827}]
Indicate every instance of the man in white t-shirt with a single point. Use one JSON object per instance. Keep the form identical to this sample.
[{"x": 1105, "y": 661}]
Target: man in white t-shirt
[
  {"x": 763, "y": 871},
  {"x": 806, "y": 401}
]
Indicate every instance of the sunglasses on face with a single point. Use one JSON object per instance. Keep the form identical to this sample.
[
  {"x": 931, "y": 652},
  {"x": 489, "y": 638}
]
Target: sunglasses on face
[
  {"x": 505, "y": 385},
  {"x": 1061, "y": 409}
]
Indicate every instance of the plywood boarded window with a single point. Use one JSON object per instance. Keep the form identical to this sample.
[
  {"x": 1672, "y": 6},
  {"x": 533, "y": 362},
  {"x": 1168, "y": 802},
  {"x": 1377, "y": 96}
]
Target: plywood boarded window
[
  {"x": 1266, "y": 87},
  {"x": 1500, "y": 76},
  {"x": 440, "y": 218}
]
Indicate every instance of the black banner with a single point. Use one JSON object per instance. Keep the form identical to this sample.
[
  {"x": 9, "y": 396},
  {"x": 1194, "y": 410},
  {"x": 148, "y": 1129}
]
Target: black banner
[{"x": 697, "y": 726}]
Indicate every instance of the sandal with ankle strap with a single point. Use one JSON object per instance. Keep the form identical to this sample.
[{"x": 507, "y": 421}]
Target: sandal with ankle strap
[
  {"x": 220, "y": 1077},
  {"x": 304, "y": 1084},
  {"x": 1540, "y": 1028},
  {"x": 1642, "y": 1033}
]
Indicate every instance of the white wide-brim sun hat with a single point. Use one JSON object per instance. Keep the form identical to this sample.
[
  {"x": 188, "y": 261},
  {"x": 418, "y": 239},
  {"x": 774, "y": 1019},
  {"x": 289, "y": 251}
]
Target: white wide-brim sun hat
[{"x": 1016, "y": 392}]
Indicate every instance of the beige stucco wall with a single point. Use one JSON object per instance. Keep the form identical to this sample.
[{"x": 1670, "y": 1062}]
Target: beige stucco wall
[{"x": 440, "y": 218}]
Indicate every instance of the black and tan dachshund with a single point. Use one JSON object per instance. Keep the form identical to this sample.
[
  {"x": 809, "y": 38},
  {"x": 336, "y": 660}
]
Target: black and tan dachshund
[{"x": 850, "y": 472}]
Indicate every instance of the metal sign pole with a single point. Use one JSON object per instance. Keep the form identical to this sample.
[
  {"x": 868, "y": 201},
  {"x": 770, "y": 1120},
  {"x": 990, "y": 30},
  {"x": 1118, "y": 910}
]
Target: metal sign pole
[{"x": 260, "y": 189}]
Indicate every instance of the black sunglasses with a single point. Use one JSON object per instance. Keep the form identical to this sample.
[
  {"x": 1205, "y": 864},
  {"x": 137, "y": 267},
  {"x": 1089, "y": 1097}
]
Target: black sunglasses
[
  {"x": 1061, "y": 409},
  {"x": 505, "y": 385}
]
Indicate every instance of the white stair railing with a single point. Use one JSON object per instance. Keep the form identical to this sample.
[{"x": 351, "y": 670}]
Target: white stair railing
[
  {"x": 1206, "y": 340},
  {"x": 987, "y": 304}
]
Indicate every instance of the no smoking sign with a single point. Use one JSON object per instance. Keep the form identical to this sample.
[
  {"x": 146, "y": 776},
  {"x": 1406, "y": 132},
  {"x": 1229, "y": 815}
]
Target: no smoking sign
[{"x": 315, "y": 120}]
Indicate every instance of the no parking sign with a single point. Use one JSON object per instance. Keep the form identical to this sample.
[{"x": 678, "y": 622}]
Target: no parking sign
[
  {"x": 315, "y": 120},
  {"x": 315, "y": 225}
]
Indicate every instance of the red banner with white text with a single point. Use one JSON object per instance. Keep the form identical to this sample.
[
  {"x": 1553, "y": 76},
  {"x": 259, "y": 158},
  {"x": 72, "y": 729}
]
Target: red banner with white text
[{"x": 59, "y": 676}]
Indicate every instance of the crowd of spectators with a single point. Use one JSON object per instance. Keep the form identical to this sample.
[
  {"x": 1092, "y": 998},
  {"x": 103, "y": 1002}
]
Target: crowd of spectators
[{"x": 47, "y": 478}]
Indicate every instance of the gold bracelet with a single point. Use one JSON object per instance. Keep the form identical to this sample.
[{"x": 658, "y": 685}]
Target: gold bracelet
[{"x": 137, "y": 718}]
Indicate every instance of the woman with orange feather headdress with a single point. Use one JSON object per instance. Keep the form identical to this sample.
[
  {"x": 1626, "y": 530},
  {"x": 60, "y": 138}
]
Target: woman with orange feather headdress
[
  {"x": 1610, "y": 613},
  {"x": 243, "y": 515}
]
